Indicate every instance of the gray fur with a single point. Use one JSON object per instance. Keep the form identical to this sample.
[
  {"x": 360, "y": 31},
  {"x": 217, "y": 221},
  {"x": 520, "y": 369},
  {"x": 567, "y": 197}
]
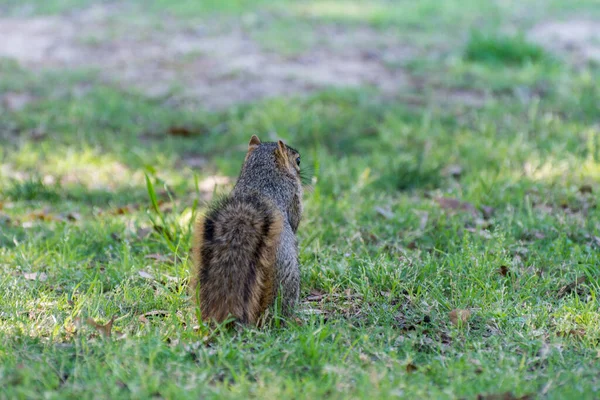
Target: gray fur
[
  {"x": 261, "y": 174},
  {"x": 245, "y": 248}
]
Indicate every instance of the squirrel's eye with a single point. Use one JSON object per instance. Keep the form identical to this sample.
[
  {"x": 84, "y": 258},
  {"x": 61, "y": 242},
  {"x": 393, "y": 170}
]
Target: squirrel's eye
[{"x": 298, "y": 161}]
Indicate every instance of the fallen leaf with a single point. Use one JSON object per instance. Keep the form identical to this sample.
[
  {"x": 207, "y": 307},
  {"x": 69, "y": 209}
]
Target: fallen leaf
[
  {"x": 35, "y": 276},
  {"x": 487, "y": 212},
  {"x": 103, "y": 329},
  {"x": 410, "y": 368},
  {"x": 315, "y": 295},
  {"x": 504, "y": 271},
  {"x": 451, "y": 204},
  {"x": 565, "y": 290},
  {"x": 145, "y": 275},
  {"x": 384, "y": 212},
  {"x": 155, "y": 313},
  {"x": 580, "y": 333},
  {"x": 123, "y": 210},
  {"x": 73, "y": 216},
  {"x": 43, "y": 215},
  {"x": 459, "y": 317},
  {"x": 586, "y": 189},
  {"x": 180, "y": 131}
]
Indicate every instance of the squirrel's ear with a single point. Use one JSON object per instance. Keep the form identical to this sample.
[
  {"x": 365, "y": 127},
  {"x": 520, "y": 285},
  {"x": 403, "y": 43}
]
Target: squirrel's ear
[
  {"x": 254, "y": 141},
  {"x": 281, "y": 147},
  {"x": 281, "y": 152}
]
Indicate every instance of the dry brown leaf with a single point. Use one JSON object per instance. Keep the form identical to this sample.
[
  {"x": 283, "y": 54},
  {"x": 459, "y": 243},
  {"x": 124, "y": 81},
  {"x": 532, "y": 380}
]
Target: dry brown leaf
[
  {"x": 565, "y": 290},
  {"x": 487, "y": 212},
  {"x": 451, "y": 204},
  {"x": 73, "y": 216},
  {"x": 42, "y": 215},
  {"x": 410, "y": 368},
  {"x": 580, "y": 333},
  {"x": 124, "y": 210},
  {"x": 586, "y": 189},
  {"x": 145, "y": 275},
  {"x": 106, "y": 329},
  {"x": 35, "y": 276},
  {"x": 155, "y": 313},
  {"x": 180, "y": 131},
  {"x": 459, "y": 317},
  {"x": 504, "y": 271},
  {"x": 315, "y": 295}
]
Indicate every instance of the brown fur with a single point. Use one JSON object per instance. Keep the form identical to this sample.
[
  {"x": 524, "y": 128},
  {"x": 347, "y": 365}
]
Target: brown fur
[
  {"x": 244, "y": 248},
  {"x": 241, "y": 246}
]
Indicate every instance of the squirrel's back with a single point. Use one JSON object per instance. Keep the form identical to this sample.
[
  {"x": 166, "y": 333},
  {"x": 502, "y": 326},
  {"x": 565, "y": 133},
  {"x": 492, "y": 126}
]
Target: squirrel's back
[{"x": 234, "y": 258}]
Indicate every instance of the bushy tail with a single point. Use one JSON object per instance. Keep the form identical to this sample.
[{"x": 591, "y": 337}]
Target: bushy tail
[{"x": 235, "y": 246}]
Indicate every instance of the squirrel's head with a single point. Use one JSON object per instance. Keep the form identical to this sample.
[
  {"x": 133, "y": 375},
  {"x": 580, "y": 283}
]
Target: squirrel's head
[
  {"x": 278, "y": 164},
  {"x": 287, "y": 159}
]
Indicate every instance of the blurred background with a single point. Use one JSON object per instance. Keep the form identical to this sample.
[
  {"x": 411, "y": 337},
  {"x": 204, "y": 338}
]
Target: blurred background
[
  {"x": 487, "y": 101},
  {"x": 75, "y": 71},
  {"x": 454, "y": 154}
]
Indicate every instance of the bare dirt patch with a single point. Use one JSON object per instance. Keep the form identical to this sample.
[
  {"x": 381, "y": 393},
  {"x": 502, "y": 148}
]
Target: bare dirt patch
[
  {"x": 577, "y": 40},
  {"x": 215, "y": 68}
]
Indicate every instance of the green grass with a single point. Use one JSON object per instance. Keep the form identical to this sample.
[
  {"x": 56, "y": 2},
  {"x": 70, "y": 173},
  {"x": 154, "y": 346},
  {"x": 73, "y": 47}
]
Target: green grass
[
  {"x": 385, "y": 256},
  {"x": 499, "y": 49}
]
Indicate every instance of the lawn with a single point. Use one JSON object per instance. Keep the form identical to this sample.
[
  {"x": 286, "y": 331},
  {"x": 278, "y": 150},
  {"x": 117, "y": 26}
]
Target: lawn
[{"x": 450, "y": 246}]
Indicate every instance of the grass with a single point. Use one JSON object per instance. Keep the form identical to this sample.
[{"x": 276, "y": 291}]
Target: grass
[
  {"x": 499, "y": 49},
  {"x": 414, "y": 212}
]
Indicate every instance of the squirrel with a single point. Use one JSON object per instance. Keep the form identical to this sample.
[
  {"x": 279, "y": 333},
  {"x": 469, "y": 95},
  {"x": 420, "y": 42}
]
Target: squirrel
[{"x": 245, "y": 250}]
